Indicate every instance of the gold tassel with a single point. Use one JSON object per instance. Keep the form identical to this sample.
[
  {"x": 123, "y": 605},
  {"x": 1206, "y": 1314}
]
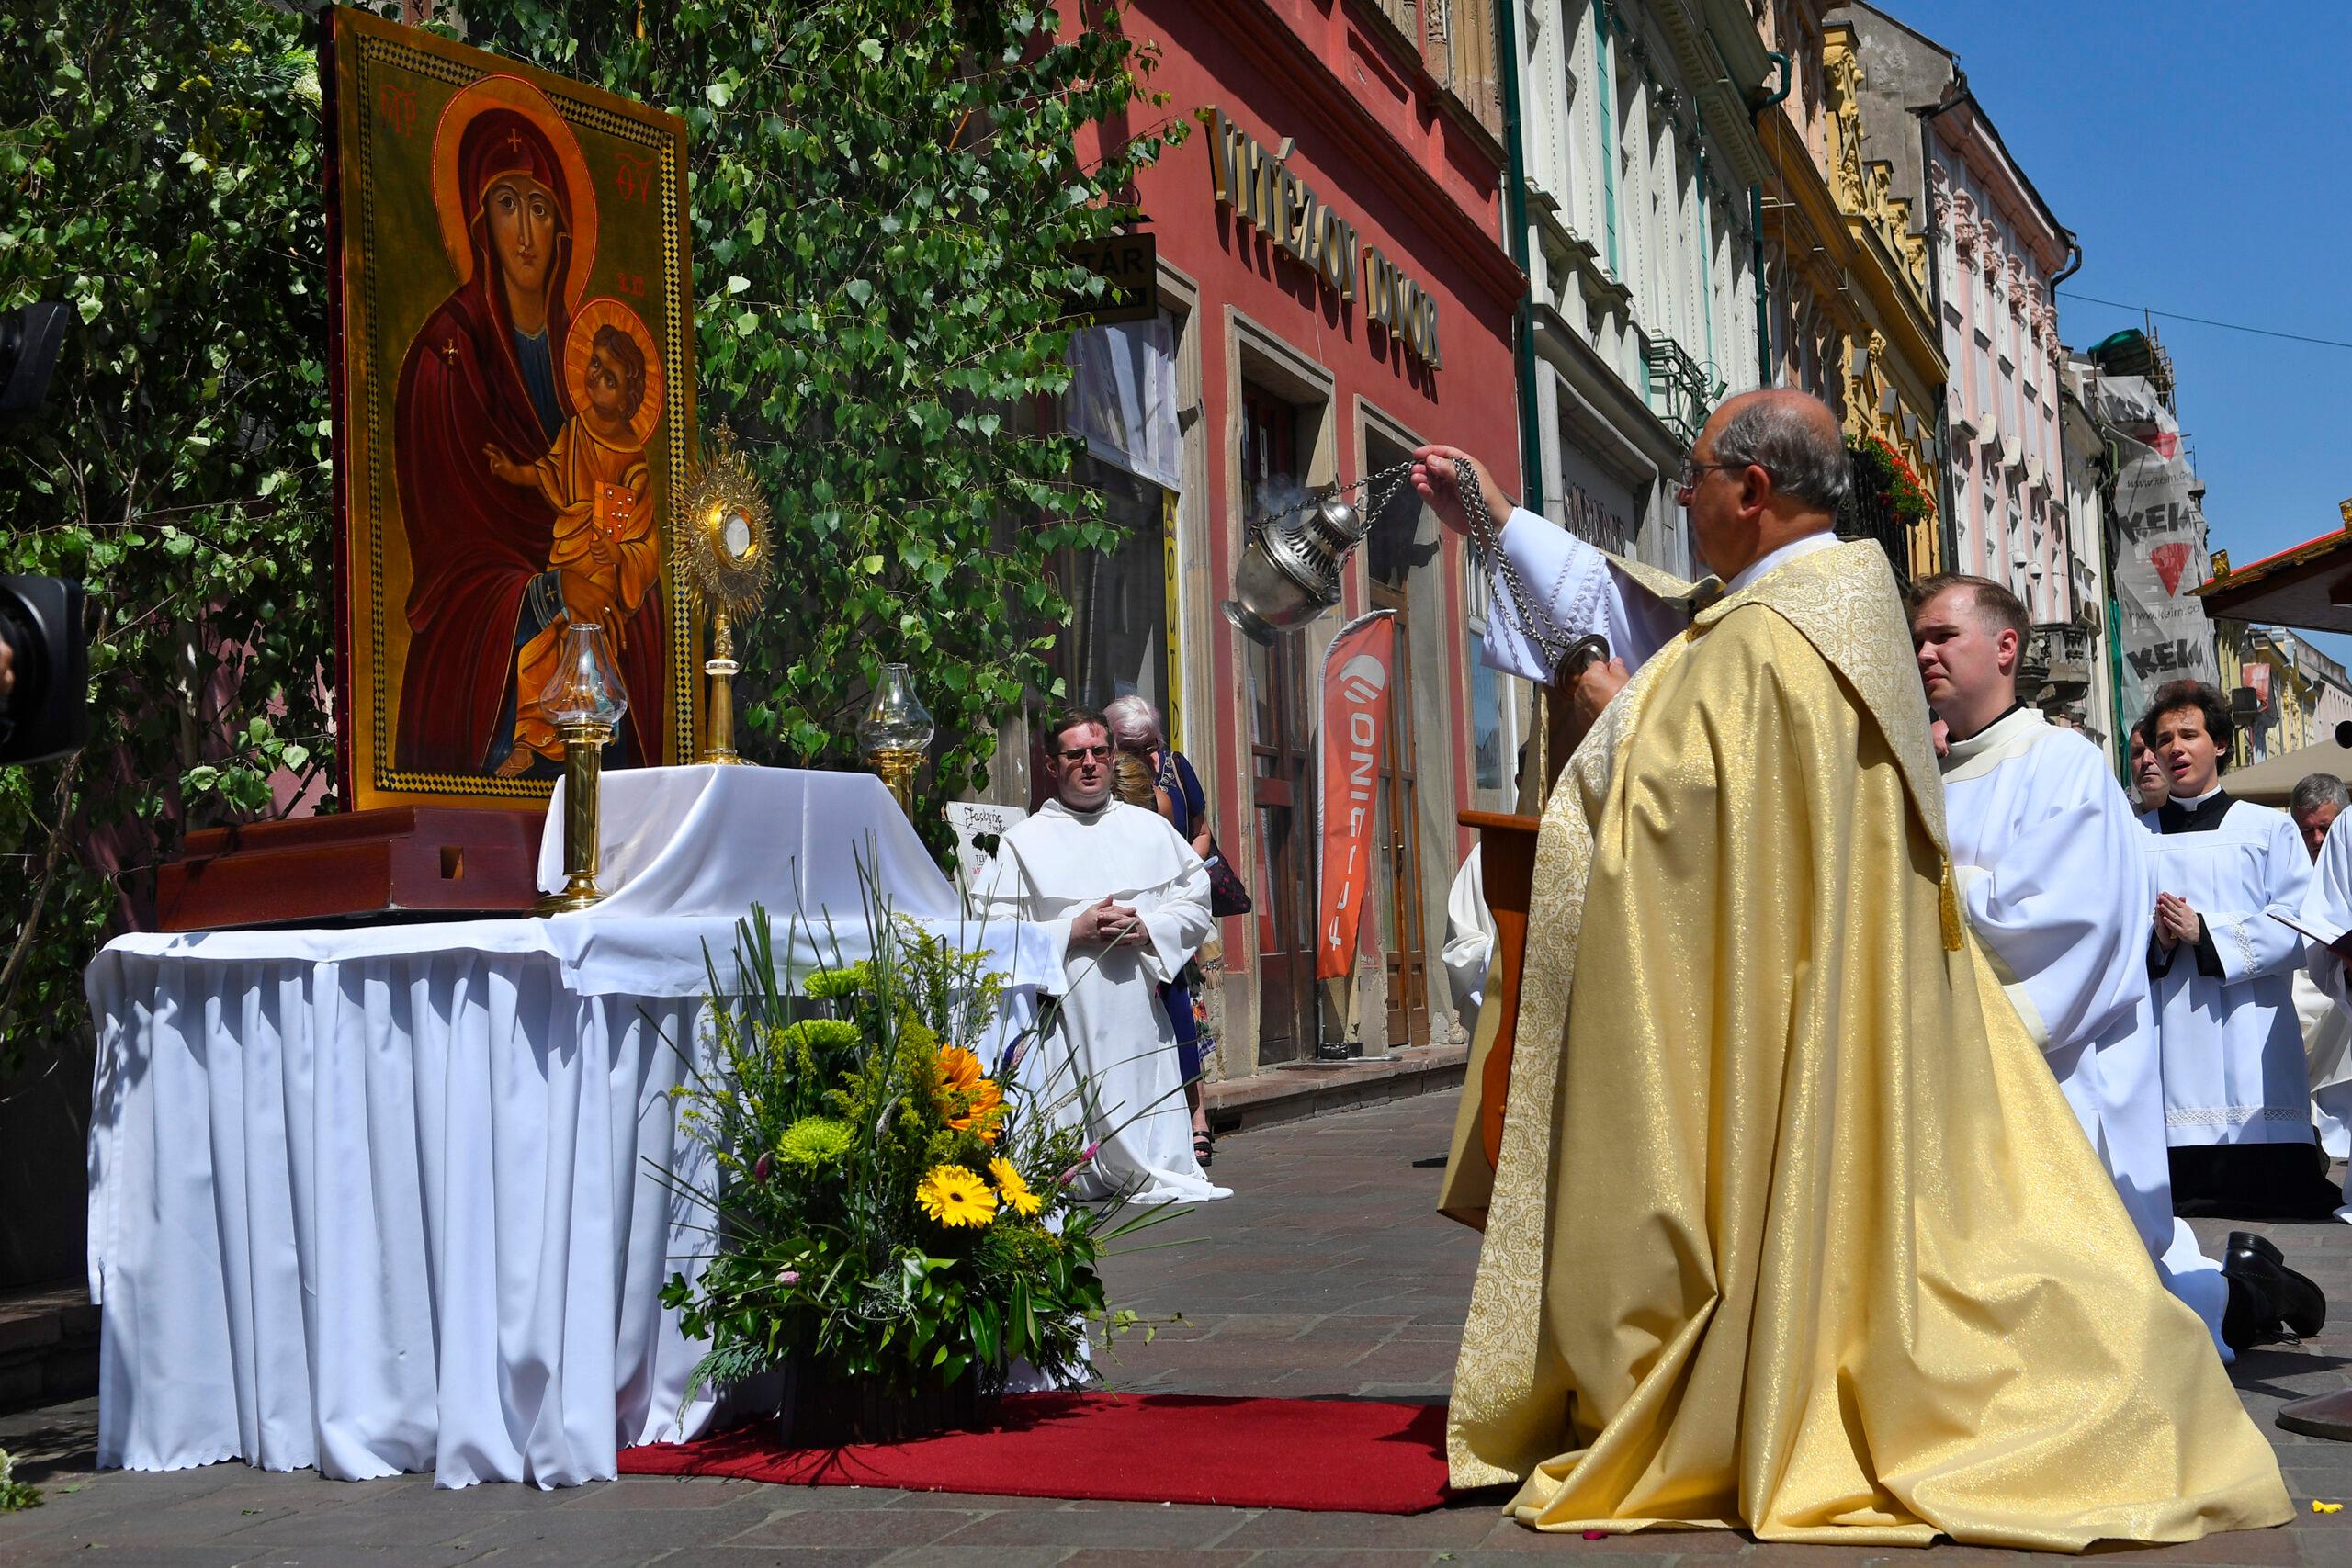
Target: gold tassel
[
  {"x": 1949, "y": 900},
  {"x": 640, "y": 21}
]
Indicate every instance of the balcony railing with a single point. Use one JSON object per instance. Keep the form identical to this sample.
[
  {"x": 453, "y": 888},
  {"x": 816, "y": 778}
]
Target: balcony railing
[
  {"x": 1680, "y": 393},
  {"x": 1869, "y": 513}
]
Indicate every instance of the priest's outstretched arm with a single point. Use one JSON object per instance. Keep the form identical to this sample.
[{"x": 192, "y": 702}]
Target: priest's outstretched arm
[{"x": 1584, "y": 590}]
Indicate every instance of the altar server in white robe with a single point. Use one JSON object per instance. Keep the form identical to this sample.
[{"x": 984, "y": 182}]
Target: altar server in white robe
[
  {"x": 1125, "y": 900},
  {"x": 2318, "y": 800},
  {"x": 2053, "y": 872},
  {"x": 2238, "y": 1098},
  {"x": 1469, "y": 938}
]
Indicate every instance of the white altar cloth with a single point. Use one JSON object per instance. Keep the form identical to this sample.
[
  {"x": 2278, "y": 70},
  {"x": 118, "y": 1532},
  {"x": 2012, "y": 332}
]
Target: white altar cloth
[{"x": 380, "y": 1200}]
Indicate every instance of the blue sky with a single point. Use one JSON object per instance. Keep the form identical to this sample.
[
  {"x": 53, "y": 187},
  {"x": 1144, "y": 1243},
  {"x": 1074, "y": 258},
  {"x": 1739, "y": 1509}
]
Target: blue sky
[{"x": 2200, "y": 152}]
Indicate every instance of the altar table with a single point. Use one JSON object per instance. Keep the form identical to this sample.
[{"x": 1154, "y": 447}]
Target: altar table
[{"x": 390, "y": 1199}]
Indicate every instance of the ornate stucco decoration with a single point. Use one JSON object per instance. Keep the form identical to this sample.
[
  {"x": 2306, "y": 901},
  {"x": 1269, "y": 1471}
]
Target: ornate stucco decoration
[{"x": 1865, "y": 186}]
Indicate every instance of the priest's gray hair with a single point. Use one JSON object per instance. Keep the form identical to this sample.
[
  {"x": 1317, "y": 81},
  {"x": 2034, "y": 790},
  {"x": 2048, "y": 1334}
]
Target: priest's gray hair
[
  {"x": 1794, "y": 438},
  {"x": 1134, "y": 723},
  {"x": 2315, "y": 790}
]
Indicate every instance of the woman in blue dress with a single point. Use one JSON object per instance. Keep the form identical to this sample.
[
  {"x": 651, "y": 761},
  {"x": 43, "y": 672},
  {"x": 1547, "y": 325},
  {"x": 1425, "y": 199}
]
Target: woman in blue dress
[{"x": 1134, "y": 727}]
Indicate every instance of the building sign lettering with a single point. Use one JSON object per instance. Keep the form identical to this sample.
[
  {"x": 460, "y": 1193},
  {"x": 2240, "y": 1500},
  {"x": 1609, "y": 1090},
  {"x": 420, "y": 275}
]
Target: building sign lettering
[{"x": 1260, "y": 190}]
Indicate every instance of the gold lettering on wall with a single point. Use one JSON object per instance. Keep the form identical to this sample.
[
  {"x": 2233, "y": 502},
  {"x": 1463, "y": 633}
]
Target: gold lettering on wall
[{"x": 1259, "y": 189}]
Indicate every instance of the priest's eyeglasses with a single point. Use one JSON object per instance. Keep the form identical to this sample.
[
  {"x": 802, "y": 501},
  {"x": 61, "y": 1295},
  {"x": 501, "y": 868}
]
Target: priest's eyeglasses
[
  {"x": 1693, "y": 470},
  {"x": 1081, "y": 753}
]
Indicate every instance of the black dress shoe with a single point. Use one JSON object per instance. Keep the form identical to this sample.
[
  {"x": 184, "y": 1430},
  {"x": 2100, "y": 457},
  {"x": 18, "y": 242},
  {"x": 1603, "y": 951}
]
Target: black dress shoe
[
  {"x": 2251, "y": 1316},
  {"x": 2301, "y": 1302},
  {"x": 2256, "y": 1243}
]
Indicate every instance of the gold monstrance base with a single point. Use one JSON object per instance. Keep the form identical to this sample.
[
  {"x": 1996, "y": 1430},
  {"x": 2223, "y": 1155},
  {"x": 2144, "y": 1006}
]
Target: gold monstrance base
[
  {"x": 718, "y": 713},
  {"x": 897, "y": 764},
  {"x": 583, "y": 771}
]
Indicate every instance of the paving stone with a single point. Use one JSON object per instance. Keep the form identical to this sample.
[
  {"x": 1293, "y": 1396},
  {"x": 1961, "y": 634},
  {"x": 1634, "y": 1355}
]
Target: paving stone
[
  {"x": 1128, "y": 1527},
  {"x": 1456, "y": 1528},
  {"x": 859, "y": 1527}
]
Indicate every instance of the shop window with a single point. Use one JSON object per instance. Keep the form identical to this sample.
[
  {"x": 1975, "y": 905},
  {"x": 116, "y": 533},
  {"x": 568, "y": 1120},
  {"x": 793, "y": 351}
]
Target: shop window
[
  {"x": 1117, "y": 641},
  {"x": 1120, "y": 639}
]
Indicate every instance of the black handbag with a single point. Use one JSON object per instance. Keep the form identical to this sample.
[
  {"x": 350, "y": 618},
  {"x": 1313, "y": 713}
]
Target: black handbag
[{"x": 1227, "y": 896}]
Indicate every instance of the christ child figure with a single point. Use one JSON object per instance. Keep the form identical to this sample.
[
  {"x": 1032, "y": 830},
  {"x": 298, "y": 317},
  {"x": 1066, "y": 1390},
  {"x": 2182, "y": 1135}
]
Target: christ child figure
[{"x": 607, "y": 552}]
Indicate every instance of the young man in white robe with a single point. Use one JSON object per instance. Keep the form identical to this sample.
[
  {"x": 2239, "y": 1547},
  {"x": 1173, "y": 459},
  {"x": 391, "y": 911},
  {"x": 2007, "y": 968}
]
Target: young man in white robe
[
  {"x": 2237, "y": 1096},
  {"x": 2054, "y": 879},
  {"x": 1125, "y": 901}
]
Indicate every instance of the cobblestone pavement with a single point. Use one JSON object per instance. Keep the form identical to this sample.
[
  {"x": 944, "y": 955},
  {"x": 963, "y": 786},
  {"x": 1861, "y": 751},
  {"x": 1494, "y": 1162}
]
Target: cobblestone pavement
[{"x": 1326, "y": 1274}]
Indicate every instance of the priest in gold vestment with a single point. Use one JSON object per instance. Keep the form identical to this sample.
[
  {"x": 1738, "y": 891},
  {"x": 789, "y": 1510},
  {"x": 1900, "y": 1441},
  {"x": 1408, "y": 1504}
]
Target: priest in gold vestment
[{"x": 1791, "y": 1229}]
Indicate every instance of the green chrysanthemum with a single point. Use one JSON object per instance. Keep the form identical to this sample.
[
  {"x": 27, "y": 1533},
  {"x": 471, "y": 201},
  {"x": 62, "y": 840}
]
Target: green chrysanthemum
[
  {"x": 833, "y": 984},
  {"x": 813, "y": 1141}
]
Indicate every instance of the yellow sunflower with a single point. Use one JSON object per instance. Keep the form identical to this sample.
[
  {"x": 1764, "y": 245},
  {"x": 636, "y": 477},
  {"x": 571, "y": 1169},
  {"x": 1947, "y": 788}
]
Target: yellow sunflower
[
  {"x": 981, "y": 1118},
  {"x": 1015, "y": 1191},
  {"x": 954, "y": 1196},
  {"x": 959, "y": 1070},
  {"x": 968, "y": 1102}
]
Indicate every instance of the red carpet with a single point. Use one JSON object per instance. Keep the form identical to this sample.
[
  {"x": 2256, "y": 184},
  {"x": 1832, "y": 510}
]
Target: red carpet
[{"x": 1323, "y": 1455}]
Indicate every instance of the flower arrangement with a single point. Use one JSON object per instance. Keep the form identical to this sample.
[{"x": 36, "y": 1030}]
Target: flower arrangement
[
  {"x": 1895, "y": 479},
  {"x": 893, "y": 1216},
  {"x": 15, "y": 1496}
]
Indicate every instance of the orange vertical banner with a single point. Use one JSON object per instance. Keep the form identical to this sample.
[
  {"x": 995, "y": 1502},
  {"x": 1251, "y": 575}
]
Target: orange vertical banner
[{"x": 1355, "y": 719}]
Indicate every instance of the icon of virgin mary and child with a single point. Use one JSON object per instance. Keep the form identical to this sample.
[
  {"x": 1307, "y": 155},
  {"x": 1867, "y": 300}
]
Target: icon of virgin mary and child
[{"x": 521, "y": 424}]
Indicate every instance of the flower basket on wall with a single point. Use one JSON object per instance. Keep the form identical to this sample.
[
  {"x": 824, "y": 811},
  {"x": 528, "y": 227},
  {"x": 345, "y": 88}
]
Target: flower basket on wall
[
  {"x": 1892, "y": 477},
  {"x": 892, "y": 1225}
]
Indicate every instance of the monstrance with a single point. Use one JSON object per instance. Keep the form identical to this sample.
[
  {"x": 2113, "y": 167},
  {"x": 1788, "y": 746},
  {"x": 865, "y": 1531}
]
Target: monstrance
[{"x": 728, "y": 557}]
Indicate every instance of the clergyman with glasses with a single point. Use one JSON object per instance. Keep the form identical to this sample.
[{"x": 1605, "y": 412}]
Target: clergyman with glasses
[
  {"x": 1791, "y": 1228},
  {"x": 1124, "y": 900}
]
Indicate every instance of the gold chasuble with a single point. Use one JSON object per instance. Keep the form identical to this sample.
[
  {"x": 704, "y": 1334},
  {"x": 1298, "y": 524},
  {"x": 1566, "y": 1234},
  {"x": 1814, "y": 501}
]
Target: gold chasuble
[{"x": 1791, "y": 1227}]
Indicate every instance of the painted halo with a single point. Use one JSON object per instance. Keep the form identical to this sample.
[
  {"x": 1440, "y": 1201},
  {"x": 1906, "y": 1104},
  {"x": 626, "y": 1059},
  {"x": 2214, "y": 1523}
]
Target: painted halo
[
  {"x": 512, "y": 93},
  {"x": 581, "y": 341}
]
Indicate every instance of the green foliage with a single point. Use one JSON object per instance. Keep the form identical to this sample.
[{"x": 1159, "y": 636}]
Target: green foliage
[
  {"x": 160, "y": 165},
  {"x": 882, "y": 193},
  {"x": 836, "y": 1243},
  {"x": 881, "y": 190}
]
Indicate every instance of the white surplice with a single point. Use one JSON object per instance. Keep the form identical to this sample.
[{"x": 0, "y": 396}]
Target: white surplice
[
  {"x": 2327, "y": 1063},
  {"x": 2234, "y": 1066},
  {"x": 2327, "y": 1039},
  {"x": 1113, "y": 1035},
  {"x": 2053, "y": 874},
  {"x": 1469, "y": 938}
]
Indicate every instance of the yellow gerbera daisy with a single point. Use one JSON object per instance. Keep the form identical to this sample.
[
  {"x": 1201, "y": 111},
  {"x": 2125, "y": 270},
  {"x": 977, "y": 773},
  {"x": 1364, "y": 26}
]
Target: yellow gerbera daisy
[
  {"x": 954, "y": 1196},
  {"x": 1017, "y": 1193}
]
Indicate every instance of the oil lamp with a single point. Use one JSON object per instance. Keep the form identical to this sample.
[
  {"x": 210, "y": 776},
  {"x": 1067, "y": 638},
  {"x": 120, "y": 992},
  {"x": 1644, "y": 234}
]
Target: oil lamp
[{"x": 585, "y": 699}]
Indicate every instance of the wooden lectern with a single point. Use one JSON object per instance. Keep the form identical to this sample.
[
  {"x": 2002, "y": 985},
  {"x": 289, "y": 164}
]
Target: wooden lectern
[{"x": 1507, "y": 856}]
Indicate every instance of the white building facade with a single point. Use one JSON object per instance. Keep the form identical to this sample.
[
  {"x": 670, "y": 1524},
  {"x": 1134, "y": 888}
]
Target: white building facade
[
  {"x": 1641, "y": 165},
  {"x": 1998, "y": 251}
]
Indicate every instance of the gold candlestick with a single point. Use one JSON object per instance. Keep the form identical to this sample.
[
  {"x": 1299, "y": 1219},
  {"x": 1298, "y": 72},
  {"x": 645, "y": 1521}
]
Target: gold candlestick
[
  {"x": 583, "y": 771},
  {"x": 718, "y": 711},
  {"x": 586, "y": 699},
  {"x": 898, "y": 765},
  {"x": 895, "y": 735}
]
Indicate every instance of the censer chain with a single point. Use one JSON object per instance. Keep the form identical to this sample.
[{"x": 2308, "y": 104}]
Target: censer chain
[{"x": 1534, "y": 613}]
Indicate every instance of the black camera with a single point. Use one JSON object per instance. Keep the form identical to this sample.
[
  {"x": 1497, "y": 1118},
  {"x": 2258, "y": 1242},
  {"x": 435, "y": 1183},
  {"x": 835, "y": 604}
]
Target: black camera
[
  {"x": 46, "y": 711},
  {"x": 45, "y": 698}
]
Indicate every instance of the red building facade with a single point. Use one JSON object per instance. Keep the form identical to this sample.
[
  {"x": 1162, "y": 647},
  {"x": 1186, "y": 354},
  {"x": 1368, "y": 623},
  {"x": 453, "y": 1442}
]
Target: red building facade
[{"x": 1335, "y": 291}]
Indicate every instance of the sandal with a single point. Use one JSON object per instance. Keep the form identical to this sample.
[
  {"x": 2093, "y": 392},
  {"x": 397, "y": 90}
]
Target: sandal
[{"x": 1203, "y": 1149}]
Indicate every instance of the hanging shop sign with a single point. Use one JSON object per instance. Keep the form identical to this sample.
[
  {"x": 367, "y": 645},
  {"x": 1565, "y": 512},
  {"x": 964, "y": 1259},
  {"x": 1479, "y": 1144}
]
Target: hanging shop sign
[
  {"x": 1260, "y": 191},
  {"x": 1355, "y": 716},
  {"x": 1128, "y": 266}
]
